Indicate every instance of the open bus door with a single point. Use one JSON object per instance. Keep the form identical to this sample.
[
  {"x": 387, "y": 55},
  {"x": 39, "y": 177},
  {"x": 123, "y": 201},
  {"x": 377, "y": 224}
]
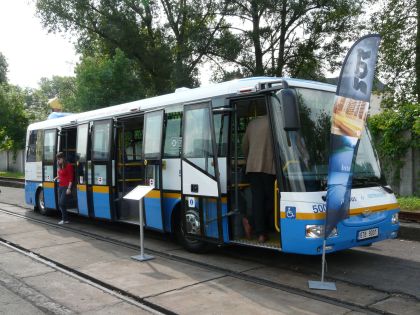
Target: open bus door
[
  {"x": 81, "y": 169},
  {"x": 101, "y": 168},
  {"x": 152, "y": 155},
  {"x": 200, "y": 177},
  {"x": 49, "y": 169}
]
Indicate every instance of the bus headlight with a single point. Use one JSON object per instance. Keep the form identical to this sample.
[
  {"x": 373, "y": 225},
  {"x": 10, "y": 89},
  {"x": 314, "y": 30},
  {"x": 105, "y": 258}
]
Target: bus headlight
[
  {"x": 317, "y": 231},
  {"x": 394, "y": 218}
]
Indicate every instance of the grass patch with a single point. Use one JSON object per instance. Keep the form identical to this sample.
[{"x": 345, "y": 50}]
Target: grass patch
[
  {"x": 409, "y": 203},
  {"x": 12, "y": 174}
]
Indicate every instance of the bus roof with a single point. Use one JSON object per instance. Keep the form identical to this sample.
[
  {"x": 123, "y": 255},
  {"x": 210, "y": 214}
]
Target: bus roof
[{"x": 180, "y": 96}]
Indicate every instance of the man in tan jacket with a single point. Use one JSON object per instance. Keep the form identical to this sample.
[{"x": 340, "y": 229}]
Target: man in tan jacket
[{"x": 257, "y": 146}]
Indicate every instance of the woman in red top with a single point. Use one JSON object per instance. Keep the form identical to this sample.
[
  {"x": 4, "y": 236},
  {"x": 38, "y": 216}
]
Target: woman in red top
[{"x": 65, "y": 178}]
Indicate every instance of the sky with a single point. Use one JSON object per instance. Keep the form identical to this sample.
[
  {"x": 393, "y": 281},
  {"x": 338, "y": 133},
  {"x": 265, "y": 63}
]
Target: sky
[{"x": 30, "y": 51}]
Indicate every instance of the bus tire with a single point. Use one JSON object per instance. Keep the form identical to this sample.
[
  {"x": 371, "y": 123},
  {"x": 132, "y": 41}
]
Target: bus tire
[
  {"x": 191, "y": 245},
  {"x": 40, "y": 205}
]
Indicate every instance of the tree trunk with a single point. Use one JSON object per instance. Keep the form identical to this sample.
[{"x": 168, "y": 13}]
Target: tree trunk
[{"x": 259, "y": 69}]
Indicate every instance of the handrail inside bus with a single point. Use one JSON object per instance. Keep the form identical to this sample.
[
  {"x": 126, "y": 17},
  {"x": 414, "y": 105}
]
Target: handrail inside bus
[{"x": 276, "y": 210}]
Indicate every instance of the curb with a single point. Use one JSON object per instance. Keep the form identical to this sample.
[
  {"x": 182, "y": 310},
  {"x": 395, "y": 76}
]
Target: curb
[
  {"x": 409, "y": 231},
  {"x": 12, "y": 183}
]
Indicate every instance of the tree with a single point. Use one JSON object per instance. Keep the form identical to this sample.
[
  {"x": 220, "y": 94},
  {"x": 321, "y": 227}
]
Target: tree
[
  {"x": 104, "y": 81},
  {"x": 399, "y": 58},
  {"x": 167, "y": 39},
  {"x": 301, "y": 38},
  {"x": 13, "y": 119},
  {"x": 3, "y": 69},
  {"x": 36, "y": 100}
]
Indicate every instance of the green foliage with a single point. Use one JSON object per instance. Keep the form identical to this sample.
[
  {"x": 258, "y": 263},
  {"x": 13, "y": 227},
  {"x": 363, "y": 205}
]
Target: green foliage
[
  {"x": 13, "y": 119},
  {"x": 409, "y": 203},
  {"x": 298, "y": 38},
  {"x": 12, "y": 174},
  {"x": 37, "y": 99},
  {"x": 104, "y": 81},
  {"x": 397, "y": 22},
  {"x": 394, "y": 132}
]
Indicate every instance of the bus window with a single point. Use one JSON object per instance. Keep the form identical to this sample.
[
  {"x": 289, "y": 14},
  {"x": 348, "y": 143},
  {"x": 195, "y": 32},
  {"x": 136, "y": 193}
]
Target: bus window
[
  {"x": 173, "y": 138},
  {"x": 82, "y": 138},
  {"x": 31, "y": 151},
  {"x": 197, "y": 146},
  {"x": 152, "y": 139},
  {"x": 101, "y": 140},
  {"x": 39, "y": 145},
  {"x": 49, "y": 145},
  {"x": 221, "y": 128}
]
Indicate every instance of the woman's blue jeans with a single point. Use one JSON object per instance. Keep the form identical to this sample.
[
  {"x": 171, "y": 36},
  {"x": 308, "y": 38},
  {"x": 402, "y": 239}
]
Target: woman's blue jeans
[{"x": 62, "y": 202}]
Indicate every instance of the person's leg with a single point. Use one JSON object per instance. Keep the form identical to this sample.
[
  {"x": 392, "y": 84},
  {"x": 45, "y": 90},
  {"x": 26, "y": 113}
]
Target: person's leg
[
  {"x": 269, "y": 201},
  {"x": 62, "y": 202},
  {"x": 257, "y": 189}
]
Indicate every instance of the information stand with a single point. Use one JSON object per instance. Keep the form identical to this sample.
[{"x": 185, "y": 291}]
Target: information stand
[{"x": 138, "y": 194}]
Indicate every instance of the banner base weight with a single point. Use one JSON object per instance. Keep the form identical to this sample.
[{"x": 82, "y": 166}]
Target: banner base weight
[
  {"x": 142, "y": 257},
  {"x": 322, "y": 285}
]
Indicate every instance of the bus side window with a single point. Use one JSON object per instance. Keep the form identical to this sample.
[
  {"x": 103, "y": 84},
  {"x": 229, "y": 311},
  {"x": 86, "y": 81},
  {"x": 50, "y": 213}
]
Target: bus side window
[
  {"x": 31, "y": 151},
  {"x": 221, "y": 128},
  {"x": 173, "y": 139}
]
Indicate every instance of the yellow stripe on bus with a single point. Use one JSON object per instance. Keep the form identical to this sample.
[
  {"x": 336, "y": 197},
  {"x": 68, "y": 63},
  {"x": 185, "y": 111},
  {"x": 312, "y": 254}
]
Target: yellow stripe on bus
[
  {"x": 81, "y": 187},
  {"x": 321, "y": 216},
  {"x": 48, "y": 184},
  {"x": 100, "y": 189}
]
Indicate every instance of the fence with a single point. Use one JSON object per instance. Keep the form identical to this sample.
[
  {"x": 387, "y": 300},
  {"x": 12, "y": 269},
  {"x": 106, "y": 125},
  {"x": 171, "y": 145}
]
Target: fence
[{"x": 12, "y": 162}]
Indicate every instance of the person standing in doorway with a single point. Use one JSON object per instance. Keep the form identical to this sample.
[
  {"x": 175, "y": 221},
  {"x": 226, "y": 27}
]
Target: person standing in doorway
[
  {"x": 257, "y": 146},
  {"x": 65, "y": 174}
]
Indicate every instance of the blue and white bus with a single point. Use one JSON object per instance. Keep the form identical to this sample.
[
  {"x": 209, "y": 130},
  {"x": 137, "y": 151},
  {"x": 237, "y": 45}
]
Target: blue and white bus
[{"x": 188, "y": 146}]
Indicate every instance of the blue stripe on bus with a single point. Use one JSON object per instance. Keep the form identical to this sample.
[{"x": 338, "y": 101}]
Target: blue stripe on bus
[
  {"x": 169, "y": 205},
  {"x": 30, "y": 192},
  {"x": 294, "y": 240},
  {"x": 153, "y": 213},
  {"x": 82, "y": 203},
  {"x": 49, "y": 198},
  {"x": 101, "y": 206}
]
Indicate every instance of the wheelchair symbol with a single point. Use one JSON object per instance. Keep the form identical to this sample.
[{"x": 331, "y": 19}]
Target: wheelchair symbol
[{"x": 291, "y": 212}]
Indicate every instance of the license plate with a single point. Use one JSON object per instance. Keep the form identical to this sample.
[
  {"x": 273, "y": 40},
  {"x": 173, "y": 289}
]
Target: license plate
[{"x": 365, "y": 234}]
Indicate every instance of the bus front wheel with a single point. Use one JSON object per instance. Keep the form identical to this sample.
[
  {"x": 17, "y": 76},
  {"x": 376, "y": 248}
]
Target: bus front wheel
[
  {"x": 40, "y": 204},
  {"x": 191, "y": 245}
]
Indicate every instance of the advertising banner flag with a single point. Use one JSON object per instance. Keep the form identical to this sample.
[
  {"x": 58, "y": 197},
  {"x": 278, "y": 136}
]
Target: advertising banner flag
[{"x": 348, "y": 120}]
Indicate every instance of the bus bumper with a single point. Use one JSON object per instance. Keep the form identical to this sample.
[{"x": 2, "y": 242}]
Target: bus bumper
[{"x": 295, "y": 240}]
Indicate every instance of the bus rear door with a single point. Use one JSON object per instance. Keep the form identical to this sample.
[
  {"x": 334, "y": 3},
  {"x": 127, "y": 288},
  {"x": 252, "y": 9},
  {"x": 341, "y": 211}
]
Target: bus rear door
[
  {"x": 200, "y": 177},
  {"x": 49, "y": 169},
  {"x": 102, "y": 179},
  {"x": 81, "y": 169},
  {"x": 152, "y": 155}
]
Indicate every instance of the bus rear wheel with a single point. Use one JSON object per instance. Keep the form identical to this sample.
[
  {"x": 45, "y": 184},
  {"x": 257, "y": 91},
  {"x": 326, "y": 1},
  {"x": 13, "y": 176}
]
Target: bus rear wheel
[
  {"x": 191, "y": 245},
  {"x": 40, "y": 204}
]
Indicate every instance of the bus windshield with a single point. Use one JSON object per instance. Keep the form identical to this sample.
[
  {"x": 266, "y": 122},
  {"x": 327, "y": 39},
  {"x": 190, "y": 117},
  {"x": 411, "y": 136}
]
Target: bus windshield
[{"x": 304, "y": 153}]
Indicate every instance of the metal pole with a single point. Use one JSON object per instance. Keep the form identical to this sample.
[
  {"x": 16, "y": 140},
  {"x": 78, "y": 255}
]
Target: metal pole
[
  {"x": 141, "y": 230},
  {"x": 142, "y": 256},
  {"x": 323, "y": 260}
]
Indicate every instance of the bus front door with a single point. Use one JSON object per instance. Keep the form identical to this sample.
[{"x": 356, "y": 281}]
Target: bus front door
[
  {"x": 101, "y": 183},
  {"x": 49, "y": 169},
  {"x": 152, "y": 155},
  {"x": 202, "y": 215}
]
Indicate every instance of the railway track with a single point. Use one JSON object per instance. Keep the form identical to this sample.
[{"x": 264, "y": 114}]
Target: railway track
[{"x": 226, "y": 272}]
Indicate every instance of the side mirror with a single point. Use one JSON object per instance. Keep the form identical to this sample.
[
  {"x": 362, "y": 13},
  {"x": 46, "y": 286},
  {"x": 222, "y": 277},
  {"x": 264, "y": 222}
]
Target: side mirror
[{"x": 290, "y": 109}]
